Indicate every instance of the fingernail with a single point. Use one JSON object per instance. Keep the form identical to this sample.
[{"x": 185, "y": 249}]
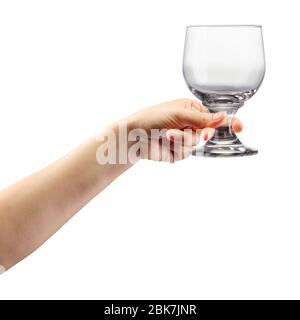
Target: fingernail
[
  {"x": 219, "y": 115},
  {"x": 217, "y": 119}
]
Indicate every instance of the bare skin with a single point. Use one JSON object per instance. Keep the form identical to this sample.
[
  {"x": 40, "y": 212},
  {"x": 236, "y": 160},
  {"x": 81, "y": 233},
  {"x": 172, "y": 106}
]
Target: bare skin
[{"x": 34, "y": 208}]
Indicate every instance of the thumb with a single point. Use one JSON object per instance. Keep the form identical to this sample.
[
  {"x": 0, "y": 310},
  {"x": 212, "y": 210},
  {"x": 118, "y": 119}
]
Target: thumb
[{"x": 199, "y": 120}]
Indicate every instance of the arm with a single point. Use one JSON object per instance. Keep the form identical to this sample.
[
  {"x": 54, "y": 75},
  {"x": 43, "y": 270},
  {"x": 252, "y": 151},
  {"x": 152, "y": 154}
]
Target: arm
[{"x": 34, "y": 208}]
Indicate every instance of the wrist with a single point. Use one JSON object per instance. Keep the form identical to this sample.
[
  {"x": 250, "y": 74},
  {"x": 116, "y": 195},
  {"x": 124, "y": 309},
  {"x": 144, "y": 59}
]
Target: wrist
[{"x": 123, "y": 143}]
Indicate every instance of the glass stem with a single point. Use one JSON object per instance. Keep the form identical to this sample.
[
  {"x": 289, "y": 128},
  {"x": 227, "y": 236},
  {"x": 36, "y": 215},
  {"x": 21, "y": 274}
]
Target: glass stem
[{"x": 224, "y": 135}]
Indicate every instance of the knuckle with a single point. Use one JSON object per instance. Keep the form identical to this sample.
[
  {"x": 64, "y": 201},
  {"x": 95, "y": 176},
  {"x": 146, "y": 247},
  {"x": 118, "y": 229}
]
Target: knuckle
[{"x": 188, "y": 104}]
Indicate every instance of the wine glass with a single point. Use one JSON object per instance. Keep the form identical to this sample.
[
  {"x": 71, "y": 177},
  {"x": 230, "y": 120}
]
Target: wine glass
[{"x": 223, "y": 66}]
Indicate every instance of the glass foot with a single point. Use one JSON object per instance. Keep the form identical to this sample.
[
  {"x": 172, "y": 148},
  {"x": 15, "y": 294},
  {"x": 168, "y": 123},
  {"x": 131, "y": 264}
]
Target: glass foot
[{"x": 234, "y": 149}]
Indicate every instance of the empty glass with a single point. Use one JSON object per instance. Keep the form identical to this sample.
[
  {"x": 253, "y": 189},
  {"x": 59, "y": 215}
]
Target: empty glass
[{"x": 223, "y": 66}]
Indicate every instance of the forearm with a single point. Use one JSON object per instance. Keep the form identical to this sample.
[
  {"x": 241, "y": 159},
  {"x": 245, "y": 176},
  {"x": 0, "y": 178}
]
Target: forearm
[{"x": 36, "y": 207}]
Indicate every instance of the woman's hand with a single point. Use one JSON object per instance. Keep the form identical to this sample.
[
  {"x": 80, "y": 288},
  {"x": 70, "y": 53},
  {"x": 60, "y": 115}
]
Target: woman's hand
[{"x": 176, "y": 116}]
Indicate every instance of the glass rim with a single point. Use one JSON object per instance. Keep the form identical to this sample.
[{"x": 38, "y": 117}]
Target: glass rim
[{"x": 225, "y": 25}]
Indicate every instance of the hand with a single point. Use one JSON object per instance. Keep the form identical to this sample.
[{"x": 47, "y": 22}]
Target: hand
[{"x": 175, "y": 116}]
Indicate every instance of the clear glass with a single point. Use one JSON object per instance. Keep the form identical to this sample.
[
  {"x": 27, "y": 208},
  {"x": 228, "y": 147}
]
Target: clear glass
[{"x": 223, "y": 66}]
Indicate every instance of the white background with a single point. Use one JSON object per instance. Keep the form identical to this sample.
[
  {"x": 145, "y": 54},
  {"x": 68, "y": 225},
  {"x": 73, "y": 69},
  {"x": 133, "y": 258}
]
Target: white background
[{"x": 202, "y": 228}]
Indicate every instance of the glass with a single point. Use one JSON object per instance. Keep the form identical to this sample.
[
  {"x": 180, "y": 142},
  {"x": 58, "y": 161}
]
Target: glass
[{"x": 223, "y": 66}]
